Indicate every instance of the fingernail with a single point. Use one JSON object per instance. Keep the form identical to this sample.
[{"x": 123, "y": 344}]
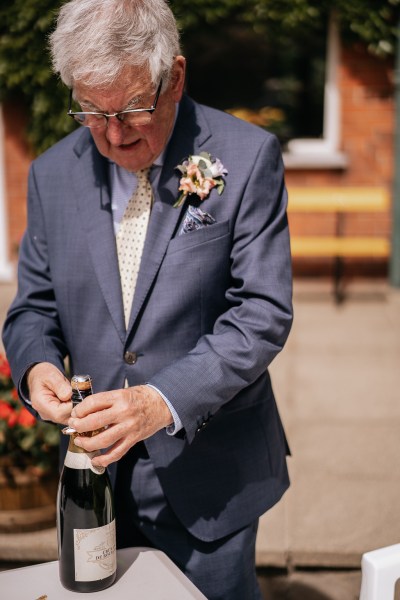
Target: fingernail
[{"x": 77, "y": 442}]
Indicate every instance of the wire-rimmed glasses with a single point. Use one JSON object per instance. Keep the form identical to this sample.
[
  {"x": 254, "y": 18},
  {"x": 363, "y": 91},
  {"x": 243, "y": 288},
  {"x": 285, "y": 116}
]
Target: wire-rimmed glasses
[{"x": 131, "y": 116}]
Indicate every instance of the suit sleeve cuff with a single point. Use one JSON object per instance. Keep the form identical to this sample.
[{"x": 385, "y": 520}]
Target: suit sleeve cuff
[
  {"x": 177, "y": 424},
  {"x": 23, "y": 386}
]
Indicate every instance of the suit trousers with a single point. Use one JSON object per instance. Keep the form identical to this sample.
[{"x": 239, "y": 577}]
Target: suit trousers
[{"x": 222, "y": 570}]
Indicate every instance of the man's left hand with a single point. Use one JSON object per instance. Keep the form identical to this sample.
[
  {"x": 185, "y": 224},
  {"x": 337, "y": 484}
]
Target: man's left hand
[{"x": 124, "y": 417}]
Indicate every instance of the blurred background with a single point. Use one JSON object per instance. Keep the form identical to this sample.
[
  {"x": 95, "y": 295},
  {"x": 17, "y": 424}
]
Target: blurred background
[{"x": 323, "y": 75}]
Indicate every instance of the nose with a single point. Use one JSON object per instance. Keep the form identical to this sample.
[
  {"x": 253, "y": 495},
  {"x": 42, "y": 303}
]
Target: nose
[{"x": 114, "y": 131}]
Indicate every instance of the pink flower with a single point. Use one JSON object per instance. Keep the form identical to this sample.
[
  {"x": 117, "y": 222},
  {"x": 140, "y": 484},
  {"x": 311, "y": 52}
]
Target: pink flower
[
  {"x": 193, "y": 172},
  {"x": 206, "y": 188},
  {"x": 199, "y": 176},
  {"x": 188, "y": 186}
]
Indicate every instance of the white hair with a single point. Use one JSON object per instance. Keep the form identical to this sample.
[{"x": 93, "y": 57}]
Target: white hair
[{"x": 95, "y": 40}]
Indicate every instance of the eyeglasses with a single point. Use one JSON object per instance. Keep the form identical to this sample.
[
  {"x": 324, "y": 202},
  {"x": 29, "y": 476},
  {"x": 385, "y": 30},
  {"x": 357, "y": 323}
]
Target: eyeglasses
[{"x": 132, "y": 116}]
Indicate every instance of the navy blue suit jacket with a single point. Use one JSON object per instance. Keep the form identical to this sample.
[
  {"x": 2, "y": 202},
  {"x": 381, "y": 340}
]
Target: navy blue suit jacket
[{"x": 212, "y": 308}]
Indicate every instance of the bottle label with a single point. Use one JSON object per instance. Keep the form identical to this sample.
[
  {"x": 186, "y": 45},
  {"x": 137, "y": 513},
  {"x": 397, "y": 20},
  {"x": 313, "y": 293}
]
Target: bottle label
[
  {"x": 82, "y": 460},
  {"x": 95, "y": 553}
]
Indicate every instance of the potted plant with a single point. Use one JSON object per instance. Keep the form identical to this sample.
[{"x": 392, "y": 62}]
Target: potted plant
[{"x": 28, "y": 460}]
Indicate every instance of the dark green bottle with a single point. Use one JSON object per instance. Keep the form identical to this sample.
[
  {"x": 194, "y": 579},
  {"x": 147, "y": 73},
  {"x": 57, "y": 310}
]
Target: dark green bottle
[{"x": 85, "y": 515}]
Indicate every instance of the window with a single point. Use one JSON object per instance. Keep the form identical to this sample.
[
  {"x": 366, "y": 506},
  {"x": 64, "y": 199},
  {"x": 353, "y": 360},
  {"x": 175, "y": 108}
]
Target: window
[{"x": 284, "y": 83}]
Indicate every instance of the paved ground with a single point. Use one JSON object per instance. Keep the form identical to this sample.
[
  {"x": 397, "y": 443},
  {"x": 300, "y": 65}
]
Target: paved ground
[{"x": 337, "y": 384}]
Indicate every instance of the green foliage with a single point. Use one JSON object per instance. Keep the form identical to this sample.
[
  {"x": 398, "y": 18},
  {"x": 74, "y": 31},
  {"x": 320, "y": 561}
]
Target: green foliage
[
  {"x": 371, "y": 21},
  {"x": 375, "y": 23},
  {"x": 25, "y": 68},
  {"x": 25, "y": 26}
]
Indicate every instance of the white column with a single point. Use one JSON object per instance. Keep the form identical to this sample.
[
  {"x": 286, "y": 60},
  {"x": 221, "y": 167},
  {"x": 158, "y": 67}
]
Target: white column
[
  {"x": 332, "y": 111},
  {"x": 6, "y": 270}
]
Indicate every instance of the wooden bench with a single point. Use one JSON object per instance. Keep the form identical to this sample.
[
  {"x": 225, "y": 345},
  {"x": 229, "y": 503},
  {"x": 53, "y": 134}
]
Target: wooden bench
[{"x": 340, "y": 202}]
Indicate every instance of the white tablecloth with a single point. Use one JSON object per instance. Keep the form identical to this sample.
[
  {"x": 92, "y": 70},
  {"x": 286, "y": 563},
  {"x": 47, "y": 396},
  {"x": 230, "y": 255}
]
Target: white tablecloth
[{"x": 142, "y": 574}]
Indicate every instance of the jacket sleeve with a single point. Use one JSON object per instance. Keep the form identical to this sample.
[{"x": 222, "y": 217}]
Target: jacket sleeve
[{"x": 32, "y": 331}]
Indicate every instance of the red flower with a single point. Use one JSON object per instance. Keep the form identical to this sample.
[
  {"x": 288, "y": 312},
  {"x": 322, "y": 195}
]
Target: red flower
[
  {"x": 5, "y": 370},
  {"x": 13, "y": 418},
  {"x": 25, "y": 418},
  {"x": 5, "y": 410}
]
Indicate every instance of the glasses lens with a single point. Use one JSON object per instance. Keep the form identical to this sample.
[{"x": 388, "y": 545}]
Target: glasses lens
[
  {"x": 91, "y": 121},
  {"x": 135, "y": 118},
  {"x": 125, "y": 118}
]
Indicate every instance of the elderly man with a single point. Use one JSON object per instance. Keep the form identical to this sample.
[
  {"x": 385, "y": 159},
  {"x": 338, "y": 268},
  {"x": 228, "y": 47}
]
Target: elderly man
[{"x": 157, "y": 259}]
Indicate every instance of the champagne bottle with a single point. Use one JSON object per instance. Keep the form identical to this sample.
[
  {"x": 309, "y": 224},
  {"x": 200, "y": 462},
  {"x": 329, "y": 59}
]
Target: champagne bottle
[{"x": 85, "y": 514}]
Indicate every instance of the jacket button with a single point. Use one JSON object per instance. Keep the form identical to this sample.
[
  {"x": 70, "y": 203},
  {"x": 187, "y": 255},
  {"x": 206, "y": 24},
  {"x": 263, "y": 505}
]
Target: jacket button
[{"x": 130, "y": 357}]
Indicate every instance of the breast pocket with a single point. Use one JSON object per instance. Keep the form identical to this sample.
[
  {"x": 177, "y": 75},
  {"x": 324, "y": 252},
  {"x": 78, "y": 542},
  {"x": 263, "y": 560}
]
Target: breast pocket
[{"x": 196, "y": 238}]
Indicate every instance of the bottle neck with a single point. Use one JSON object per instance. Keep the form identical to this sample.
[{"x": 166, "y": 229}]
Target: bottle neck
[
  {"x": 72, "y": 447},
  {"x": 77, "y": 458}
]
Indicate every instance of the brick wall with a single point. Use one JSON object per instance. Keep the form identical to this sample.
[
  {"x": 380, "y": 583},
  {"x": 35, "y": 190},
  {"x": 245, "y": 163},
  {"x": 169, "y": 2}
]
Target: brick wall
[
  {"x": 367, "y": 133},
  {"x": 17, "y": 157}
]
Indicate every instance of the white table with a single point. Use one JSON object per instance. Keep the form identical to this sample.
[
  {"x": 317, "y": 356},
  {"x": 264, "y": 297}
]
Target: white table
[{"x": 142, "y": 574}]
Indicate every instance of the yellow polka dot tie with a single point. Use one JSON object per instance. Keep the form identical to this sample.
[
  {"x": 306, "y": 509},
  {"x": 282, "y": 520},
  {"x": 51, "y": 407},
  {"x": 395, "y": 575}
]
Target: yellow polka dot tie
[{"x": 131, "y": 236}]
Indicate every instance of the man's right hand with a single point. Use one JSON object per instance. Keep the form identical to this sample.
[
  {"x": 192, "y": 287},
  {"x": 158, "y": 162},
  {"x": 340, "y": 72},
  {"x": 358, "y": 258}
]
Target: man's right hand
[{"x": 50, "y": 393}]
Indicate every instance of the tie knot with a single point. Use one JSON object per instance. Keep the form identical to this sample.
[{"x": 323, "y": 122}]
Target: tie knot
[{"x": 143, "y": 174}]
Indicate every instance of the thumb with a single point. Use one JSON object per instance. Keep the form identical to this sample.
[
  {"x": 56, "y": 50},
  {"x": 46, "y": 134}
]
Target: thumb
[
  {"x": 59, "y": 384},
  {"x": 64, "y": 390}
]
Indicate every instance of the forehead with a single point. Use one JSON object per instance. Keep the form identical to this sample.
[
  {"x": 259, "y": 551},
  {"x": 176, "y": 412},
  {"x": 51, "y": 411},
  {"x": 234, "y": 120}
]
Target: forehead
[{"x": 131, "y": 83}]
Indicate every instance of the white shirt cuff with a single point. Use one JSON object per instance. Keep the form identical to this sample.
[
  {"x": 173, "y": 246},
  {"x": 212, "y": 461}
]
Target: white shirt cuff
[{"x": 177, "y": 424}]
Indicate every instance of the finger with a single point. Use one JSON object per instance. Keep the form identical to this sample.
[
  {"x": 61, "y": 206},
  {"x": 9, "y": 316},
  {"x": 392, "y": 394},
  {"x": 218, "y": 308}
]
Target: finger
[
  {"x": 94, "y": 403},
  {"x": 63, "y": 412},
  {"x": 100, "y": 419},
  {"x": 64, "y": 391},
  {"x": 90, "y": 443},
  {"x": 60, "y": 386},
  {"x": 113, "y": 454},
  {"x": 114, "y": 437},
  {"x": 53, "y": 410},
  {"x": 104, "y": 438}
]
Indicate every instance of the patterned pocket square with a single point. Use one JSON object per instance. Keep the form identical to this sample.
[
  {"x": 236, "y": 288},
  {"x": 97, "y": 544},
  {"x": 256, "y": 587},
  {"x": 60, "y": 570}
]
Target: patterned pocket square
[{"x": 195, "y": 218}]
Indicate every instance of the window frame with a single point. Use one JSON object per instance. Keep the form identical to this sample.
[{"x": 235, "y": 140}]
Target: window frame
[{"x": 324, "y": 152}]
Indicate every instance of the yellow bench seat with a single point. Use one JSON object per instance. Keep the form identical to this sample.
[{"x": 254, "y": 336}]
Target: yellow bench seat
[
  {"x": 329, "y": 246},
  {"x": 342, "y": 199}
]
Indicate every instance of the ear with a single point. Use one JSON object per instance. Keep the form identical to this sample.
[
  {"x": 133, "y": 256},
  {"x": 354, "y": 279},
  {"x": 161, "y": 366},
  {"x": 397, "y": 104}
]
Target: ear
[{"x": 178, "y": 78}]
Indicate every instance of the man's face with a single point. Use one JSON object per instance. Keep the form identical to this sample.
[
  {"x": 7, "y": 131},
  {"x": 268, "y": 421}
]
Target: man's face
[{"x": 133, "y": 147}]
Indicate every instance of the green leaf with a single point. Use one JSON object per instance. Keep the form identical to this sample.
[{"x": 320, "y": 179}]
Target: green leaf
[
  {"x": 202, "y": 165},
  {"x": 220, "y": 187}
]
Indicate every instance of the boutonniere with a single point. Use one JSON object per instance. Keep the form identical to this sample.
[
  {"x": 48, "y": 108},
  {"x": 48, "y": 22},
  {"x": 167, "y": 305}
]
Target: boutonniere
[{"x": 199, "y": 175}]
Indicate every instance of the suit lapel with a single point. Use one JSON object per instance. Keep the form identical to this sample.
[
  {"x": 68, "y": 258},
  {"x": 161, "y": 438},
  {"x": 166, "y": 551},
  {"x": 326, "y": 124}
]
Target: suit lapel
[
  {"x": 94, "y": 205},
  {"x": 189, "y": 134}
]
